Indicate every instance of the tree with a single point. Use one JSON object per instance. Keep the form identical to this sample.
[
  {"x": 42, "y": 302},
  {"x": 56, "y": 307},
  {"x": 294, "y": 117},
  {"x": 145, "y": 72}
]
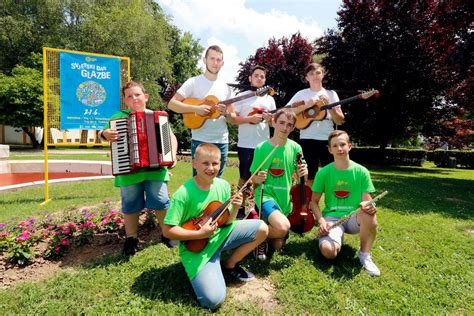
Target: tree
[
  {"x": 382, "y": 44},
  {"x": 285, "y": 60},
  {"x": 136, "y": 29},
  {"x": 21, "y": 102}
]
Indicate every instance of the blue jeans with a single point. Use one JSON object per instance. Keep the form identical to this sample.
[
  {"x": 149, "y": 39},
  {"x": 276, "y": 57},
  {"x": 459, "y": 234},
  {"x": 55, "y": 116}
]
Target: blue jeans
[
  {"x": 209, "y": 284},
  {"x": 150, "y": 194},
  {"x": 224, "y": 148}
]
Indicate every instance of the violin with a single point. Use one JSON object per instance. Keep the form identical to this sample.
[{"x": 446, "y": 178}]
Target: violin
[
  {"x": 301, "y": 217},
  {"x": 216, "y": 211}
]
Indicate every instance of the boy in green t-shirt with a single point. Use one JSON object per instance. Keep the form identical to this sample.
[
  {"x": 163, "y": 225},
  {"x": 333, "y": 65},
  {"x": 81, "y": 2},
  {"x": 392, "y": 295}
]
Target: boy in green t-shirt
[
  {"x": 276, "y": 178},
  {"x": 204, "y": 268},
  {"x": 346, "y": 185},
  {"x": 149, "y": 183}
]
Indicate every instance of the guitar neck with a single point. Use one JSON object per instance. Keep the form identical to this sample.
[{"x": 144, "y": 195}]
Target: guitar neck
[
  {"x": 239, "y": 98},
  {"x": 329, "y": 106}
]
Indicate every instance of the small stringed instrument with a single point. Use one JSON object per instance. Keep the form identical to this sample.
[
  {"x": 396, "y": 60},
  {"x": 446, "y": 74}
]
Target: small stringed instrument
[
  {"x": 318, "y": 111},
  {"x": 193, "y": 120},
  {"x": 301, "y": 217}
]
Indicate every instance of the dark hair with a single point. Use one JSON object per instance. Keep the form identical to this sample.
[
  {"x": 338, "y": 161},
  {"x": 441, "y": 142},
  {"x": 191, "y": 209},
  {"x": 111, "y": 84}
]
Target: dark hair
[
  {"x": 313, "y": 66},
  {"x": 258, "y": 67},
  {"x": 214, "y": 48},
  {"x": 131, "y": 84},
  {"x": 287, "y": 112}
]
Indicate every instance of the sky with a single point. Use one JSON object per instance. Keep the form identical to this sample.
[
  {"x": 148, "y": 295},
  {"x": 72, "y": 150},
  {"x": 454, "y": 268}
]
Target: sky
[{"x": 240, "y": 27}]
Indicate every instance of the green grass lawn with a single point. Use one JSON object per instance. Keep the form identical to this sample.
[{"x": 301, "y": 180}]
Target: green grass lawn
[{"x": 425, "y": 250}]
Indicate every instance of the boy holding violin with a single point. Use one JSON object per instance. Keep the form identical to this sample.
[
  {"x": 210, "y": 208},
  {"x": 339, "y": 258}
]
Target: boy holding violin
[
  {"x": 272, "y": 196},
  {"x": 346, "y": 186},
  {"x": 193, "y": 200}
]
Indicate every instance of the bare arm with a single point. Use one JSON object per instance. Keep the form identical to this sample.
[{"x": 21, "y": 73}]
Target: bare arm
[
  {"x": 337, "y": 115},
  {"x": 176, "y": 105}
]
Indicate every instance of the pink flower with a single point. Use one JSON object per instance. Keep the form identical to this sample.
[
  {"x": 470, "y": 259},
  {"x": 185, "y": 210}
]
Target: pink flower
[
  {"x": 71, "y": 225},
  {"x": 113, "y": 213},
  {"x": 64, "y": 242},
  {"x": 66, "y": 232},
  {"x": 24, "y": 236},
  {"x": 56, "y": 249},
  {"x": 2, "y": 225},
  {"x": 51, "y": 227},
  {"x": 118, "y": 221},
  {"x": 104, "y": 222},
  {"x": 5, "y": 234},
  {"x": 21, "y": 224}
]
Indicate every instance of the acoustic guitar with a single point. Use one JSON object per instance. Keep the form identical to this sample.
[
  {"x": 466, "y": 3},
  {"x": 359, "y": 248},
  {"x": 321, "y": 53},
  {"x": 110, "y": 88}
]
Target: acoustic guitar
[
  {"x": 193, "y": 120},
  {"x": 318, "y": 111}
]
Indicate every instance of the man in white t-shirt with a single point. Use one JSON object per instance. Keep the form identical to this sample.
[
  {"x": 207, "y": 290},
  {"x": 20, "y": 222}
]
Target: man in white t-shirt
[
  {"x": 214, "y": 130},
  {"x": 253, "y": 117},
  {"x": 313, "y": 139}
]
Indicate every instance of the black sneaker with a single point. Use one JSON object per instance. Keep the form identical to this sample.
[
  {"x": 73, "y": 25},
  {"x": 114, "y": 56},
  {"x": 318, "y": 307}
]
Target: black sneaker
[
  {"x": 238, "y": 273},
  {"x": 170, "y": 243},
  {"x": 260, "y": 253},
  {"x": 130, "y": 247}
]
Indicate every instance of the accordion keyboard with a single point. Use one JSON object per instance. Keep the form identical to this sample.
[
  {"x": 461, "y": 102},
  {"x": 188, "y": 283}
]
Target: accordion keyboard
[{"x": 120, "y": 152}]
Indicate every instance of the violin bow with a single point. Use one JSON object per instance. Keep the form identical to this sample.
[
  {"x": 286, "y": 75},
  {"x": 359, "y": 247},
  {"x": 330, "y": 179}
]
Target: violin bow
[{"x": 248, "y": 180}]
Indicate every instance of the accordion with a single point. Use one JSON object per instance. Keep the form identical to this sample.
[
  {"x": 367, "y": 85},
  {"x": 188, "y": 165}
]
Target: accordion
[{"x": 144, "y": 141}]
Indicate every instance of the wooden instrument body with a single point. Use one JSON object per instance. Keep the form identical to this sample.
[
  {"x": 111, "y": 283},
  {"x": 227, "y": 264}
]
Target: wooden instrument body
[
  {"x": 314, "y": 113},
  {"x": 213, "y": 210},
  {"x": 193, "y": 120},
  {"x": 301, "y": 217}
]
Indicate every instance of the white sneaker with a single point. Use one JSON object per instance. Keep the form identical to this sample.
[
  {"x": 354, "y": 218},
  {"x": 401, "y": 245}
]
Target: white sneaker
[{"x": 369, "y": 266}]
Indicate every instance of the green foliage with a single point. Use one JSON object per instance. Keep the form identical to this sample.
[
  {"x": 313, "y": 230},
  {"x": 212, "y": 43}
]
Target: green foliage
[
  {"x": 388, "y": 156},
  {"x": 452, "y": 158},
  {"x": 396, "y": 47},
  {"x": 21, "y": 103}
]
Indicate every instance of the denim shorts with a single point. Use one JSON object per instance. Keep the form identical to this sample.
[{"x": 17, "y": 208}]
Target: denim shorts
[
  {"x": 150, "y": 194},
  {"x": 268, "y": 207},
  {"x": 337, "y": 234}
]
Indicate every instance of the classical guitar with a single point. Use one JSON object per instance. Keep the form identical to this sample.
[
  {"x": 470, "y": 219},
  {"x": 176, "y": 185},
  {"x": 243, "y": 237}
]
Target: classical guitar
[
  {"x": 193, "y": 120},
  {"x": 318, "y": 111}
]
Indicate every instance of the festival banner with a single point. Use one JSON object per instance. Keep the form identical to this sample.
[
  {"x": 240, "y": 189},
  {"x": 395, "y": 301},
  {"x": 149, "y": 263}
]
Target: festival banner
[{"x": 89, "y": 90}]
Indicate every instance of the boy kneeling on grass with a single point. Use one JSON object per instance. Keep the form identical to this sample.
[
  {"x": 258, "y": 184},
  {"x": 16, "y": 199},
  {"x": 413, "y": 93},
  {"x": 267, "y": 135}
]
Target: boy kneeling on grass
[
  {"x": 346, "y": 185},
  {"x": 204, "y": 268}
]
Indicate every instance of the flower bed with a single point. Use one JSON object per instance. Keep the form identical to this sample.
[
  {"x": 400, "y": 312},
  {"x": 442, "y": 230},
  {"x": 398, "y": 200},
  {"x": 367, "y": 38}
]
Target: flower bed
[{"x": 54, "y": 235}]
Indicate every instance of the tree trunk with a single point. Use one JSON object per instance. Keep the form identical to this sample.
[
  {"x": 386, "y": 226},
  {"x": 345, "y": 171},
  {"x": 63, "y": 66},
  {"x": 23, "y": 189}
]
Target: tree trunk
[{"x": 34, "y": 142}]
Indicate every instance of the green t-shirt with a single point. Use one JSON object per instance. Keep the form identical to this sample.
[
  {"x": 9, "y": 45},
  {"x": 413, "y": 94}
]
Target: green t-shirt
[
  {"x": 141, "y": 175},
  {"x": 189, "y": 202},
  {"x": 280, "y": 168},
  {"x": 342, "y": 188}
]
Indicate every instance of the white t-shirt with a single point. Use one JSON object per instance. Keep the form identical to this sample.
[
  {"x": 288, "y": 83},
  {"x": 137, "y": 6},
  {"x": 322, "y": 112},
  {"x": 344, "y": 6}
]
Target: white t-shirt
[
  {"x": 318, "y": 130},
  {"x": 199, "y": 87},
  {"x": 250, "y": 135}
]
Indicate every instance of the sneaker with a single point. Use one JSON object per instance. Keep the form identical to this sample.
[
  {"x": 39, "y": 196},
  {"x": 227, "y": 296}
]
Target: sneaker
[
  {"x": 238, "y": 273},
  {"x": 130, "y": 247},
  {"x": 170, "y": 243},
  {"x": 260, "y": 253},
  {"x": 369, "y": 266}
]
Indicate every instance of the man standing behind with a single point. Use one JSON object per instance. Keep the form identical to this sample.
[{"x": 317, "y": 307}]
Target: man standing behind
[
  {"x": 253, "y": 128},
  {"x": 213, "y": 131}
]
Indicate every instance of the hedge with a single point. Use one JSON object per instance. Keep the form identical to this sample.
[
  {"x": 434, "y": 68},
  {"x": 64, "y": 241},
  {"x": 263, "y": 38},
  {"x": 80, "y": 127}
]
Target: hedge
[{"x": 413, "y": 157}]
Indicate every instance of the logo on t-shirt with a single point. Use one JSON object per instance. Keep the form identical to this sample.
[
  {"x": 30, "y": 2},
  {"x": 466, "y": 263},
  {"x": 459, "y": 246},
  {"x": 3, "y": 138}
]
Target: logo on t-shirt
[
  {"x": 276, "y": 167},
  {"x": 342, "y": 189}
]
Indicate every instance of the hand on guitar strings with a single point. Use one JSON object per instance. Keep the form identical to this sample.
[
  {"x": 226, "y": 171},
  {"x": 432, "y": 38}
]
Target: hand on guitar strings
[
  {"x": 203, "y": 110},
  {"x": 222, "y": 109}
]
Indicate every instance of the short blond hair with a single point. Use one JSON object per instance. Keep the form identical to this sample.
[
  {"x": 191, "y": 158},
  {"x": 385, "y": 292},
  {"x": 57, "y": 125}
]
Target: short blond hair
[{"x": 207, "y": 149}]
